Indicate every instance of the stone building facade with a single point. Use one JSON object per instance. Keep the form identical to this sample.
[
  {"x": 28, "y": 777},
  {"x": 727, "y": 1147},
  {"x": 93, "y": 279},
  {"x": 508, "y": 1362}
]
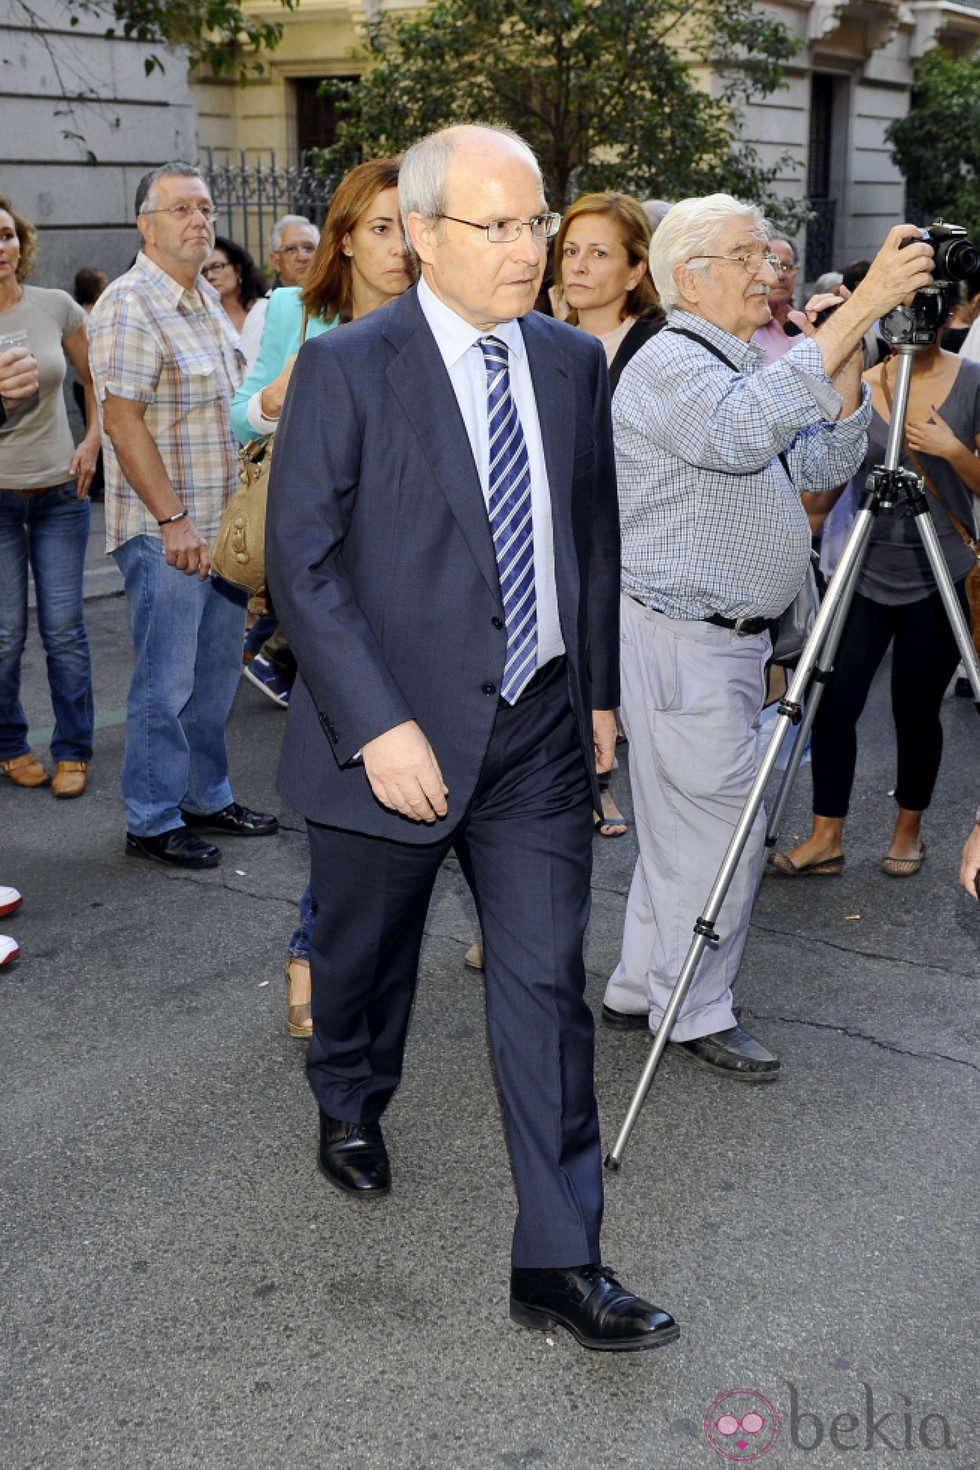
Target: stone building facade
[
  {"x": 80, "y": 121},
  {"x": 851, "y": 77}
]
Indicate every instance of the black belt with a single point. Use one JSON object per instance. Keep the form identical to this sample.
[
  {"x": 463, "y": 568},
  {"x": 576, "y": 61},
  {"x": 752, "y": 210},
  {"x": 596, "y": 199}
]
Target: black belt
[{"x": 744, "y": 627}]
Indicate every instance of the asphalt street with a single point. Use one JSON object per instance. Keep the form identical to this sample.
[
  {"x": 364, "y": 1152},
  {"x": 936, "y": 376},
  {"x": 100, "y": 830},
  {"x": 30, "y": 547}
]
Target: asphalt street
[{"x": 182, "y": 1289}]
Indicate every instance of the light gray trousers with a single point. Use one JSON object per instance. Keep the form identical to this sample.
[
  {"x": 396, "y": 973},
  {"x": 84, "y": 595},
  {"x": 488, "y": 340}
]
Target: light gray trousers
[{"x": 691, "y": 700}]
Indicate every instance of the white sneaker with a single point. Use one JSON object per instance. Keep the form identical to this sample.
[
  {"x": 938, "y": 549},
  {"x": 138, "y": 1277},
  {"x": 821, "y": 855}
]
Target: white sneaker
[
  {"x": 9, "y": 949},
  {"x": 10, "y": 900}
]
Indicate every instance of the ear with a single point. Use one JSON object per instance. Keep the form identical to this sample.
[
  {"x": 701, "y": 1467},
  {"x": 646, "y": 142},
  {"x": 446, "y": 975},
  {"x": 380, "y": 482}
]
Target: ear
[
  {"x": 636, "y": 274},
  {"x": 688, "y": 283},
  {"x": 346, "y": 248},
  {"x": 422, "y": 234}
]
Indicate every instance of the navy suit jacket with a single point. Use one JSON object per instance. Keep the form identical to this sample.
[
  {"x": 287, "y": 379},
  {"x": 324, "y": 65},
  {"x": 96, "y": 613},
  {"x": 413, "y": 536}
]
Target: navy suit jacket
[{"x": 381, "y": 562}]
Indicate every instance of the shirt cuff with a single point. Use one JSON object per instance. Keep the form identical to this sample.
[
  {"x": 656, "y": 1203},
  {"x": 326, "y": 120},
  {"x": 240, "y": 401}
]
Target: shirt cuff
[{"x": 256, "y": 418}]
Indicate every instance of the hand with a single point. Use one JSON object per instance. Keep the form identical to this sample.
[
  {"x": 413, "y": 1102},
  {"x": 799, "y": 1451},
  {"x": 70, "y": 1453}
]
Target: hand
[
  {"x": 274, "y": 394},
  {"x": 18, "y": 373},
  {"x": 970, "y": 866},
  {"x": 806, "y": 318},
  {"x": 185, "y": 548},
  {"x": 404, "y": 773},
  {"x": 83, "y": 463},
  {"x": 896, "y": 273},
  {"x": 604, "y": 739},
  {"x": 933, "y": 436}
]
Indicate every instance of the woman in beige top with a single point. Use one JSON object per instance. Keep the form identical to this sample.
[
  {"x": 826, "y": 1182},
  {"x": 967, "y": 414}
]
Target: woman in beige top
[
  {"x": 603, "y": 286},
  {"x": 44, "y": 516}
]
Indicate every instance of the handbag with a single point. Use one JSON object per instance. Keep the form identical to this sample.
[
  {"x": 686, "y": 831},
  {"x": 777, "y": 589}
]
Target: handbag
[
  {"x": 796, "y": 624},
  {"x": 238, "y": 553},
  {"x": 972, "y": 584}
]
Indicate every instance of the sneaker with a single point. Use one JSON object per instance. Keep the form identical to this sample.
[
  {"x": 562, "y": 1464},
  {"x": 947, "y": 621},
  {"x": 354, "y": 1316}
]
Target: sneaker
[
  {"x": 9, "y": 949},
  {"x": 265, "y": 676},
  {"x": 10, "y": 900}
]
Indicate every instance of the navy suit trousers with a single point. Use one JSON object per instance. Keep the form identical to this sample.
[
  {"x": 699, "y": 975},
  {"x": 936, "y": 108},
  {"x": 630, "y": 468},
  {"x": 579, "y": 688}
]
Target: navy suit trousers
[{"x": 525, "y": 846}]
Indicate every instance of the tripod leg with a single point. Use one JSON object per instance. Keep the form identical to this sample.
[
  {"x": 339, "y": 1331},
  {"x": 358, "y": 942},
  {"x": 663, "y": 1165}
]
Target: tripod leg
[
  {"x": 947, "y": 592},
  {"x": 818, "y": 683},
  {"x": 790, "y": 712}
]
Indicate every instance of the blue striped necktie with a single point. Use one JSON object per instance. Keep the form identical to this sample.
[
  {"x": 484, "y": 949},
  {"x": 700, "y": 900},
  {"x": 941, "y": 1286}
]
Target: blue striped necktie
[{"x": 509, "y": 508}]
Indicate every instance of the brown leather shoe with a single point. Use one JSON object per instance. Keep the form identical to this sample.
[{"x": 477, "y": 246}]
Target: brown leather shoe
[
  {"x": 25, "y": 770},
  {"x": 299, "y": 997},
  {"x": 69, "y": 778}
]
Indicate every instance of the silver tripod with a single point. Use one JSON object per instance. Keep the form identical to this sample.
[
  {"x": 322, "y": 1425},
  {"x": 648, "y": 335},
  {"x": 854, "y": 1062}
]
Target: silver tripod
[{"x": 887, "y": 485}]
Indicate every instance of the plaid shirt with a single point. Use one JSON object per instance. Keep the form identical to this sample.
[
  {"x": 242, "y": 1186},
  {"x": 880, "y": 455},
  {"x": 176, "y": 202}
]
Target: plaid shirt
[
  {"x": 710, "y": 521},
  {"x": 153, "y": 341}
]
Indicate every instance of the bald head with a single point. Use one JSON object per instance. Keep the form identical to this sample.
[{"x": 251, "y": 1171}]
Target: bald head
[
  {"x": 451, "y": 187},
  {"x": 423, "y": 175}
]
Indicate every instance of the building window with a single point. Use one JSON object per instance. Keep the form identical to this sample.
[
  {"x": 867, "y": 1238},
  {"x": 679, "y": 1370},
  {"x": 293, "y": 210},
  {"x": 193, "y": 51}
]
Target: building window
[
  {"x": 820, "y": 160},
  {"x": 316, "y": 120}
]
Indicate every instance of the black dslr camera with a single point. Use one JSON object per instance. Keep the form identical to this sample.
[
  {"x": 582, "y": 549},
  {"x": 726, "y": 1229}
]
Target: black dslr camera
[{"x": 955, "y": 258}]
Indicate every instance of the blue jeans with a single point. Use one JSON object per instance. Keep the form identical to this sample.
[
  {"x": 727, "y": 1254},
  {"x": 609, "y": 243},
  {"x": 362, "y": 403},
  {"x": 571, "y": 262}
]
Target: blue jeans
[
  {"x": 299, "y": 945},
  {"x": 49, "y": 531},
  {"x": 187, "y": 636}
]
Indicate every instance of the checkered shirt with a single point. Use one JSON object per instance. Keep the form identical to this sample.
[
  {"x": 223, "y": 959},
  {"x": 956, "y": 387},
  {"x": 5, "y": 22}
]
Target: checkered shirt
[
  {"x": 155, "y": 342},
  {"x": 710, "y": 521}
]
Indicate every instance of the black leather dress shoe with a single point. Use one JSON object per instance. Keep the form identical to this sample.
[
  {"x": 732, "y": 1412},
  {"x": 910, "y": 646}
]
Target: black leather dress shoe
[
  {"x": 626, "y": 1020},
  {"x": 178, "y": 846},
  {"x": 733, "y": 1053},
  {"x": 237, "y": 820},
  {"x": 353, "y": 1156},
  {"x": 589, "y": 1301}
]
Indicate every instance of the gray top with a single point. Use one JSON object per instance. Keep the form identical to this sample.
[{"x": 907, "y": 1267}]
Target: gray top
[
  {"x": 36, "y": 445},
  {"x": 897, "y": 570}
]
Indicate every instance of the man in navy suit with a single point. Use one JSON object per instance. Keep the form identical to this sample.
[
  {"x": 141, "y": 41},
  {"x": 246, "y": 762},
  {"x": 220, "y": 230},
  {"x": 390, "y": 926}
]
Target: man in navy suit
[{"x": 443, "y": 548}]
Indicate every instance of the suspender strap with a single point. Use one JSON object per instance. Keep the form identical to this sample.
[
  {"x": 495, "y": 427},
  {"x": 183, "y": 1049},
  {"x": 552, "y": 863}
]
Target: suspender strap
[{"x": 716, "y": 352}]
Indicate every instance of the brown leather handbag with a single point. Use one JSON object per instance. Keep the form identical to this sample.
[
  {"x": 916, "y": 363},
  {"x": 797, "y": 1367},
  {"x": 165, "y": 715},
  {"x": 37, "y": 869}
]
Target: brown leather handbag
[{"x": 238, "y": 553}]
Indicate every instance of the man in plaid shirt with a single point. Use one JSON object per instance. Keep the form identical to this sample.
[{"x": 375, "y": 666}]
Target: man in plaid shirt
[
  {"x": 713, "y": 450},
  {"x": 165, "y": 364}
]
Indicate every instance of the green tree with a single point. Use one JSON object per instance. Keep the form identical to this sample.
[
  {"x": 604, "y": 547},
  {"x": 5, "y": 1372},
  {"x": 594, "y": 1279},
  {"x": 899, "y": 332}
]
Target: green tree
[
  {"x": 606, "y": 91},
  {"x": 216, "y": 34},
  {"x": 937, "y": 144}
]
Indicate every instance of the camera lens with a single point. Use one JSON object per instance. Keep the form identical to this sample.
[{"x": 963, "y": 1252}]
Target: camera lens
[{"x": 957, "y": 259}]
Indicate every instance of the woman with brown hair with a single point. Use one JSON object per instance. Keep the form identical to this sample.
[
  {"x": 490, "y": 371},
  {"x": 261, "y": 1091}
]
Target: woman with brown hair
[
  {"x": 360, "y": 263},
  {"x": 602, "y": 281},
  {"x": 603, "y": 286},
  {"x": 44, "y": 518}
]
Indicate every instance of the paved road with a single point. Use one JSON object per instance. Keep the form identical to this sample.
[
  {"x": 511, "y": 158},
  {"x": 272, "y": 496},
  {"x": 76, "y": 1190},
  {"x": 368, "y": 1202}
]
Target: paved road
[{"x": 181, "y": 1289}]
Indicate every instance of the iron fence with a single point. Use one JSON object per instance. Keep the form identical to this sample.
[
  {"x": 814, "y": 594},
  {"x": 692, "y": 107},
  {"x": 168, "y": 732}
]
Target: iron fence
[{"x": 250, "y": 196}]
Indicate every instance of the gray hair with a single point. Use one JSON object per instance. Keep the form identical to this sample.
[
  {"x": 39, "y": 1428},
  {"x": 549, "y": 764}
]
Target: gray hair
[
  {"x": 785, "y": 240},
  {"x": 422, "y": 175},
  {"x": 176, "y": 169},
  {"x": 687, "y": 231},
  {"x": 655, "y": 209},
  {"x": 278, "y": 229}
]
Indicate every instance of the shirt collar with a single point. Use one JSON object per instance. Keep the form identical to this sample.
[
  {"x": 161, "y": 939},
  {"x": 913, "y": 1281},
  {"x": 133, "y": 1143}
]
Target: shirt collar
[
  {"x": 454, "y": 336},
  {"x": 740, "y": 352},
  {"x": 174, "y": 289}
]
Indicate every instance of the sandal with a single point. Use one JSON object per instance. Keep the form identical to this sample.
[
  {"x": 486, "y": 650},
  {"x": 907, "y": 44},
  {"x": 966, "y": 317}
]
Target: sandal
[
  {"x": 299, "y": 1007},
  {"x": 600, "y": 822},
  {"x": 903, "y": 867},
  {"x": 781, "y": 862}
]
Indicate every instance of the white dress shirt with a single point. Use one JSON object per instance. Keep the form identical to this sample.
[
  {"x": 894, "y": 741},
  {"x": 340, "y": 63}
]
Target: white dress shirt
[{"x": 458, "y": 343}]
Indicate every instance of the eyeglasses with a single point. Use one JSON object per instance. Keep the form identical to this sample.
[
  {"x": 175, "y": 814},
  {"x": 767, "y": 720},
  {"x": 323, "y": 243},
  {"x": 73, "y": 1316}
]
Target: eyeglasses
[
  {"x": 184, "y": 211},
  {"x": 215, "y": 268},
  {"x": 752, "y": 260},
  {"x": 295, "y": 250},
  {"x": 503, "y": 231}
]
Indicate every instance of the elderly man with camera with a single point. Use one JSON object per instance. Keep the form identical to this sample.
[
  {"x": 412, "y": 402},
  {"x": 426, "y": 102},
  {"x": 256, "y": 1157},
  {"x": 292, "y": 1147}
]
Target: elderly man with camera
[{"x": 713, "y": 451}]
